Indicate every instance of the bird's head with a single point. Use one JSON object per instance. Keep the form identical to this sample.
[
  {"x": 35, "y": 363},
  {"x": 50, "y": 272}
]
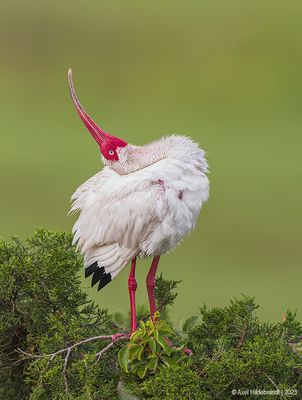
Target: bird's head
[{"x": 113, "y": 149}]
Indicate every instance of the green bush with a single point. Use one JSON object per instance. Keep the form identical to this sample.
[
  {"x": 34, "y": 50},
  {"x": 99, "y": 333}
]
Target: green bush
[
  {"x": 232, "y": 350},
  {"x": 44, "y": 310}
]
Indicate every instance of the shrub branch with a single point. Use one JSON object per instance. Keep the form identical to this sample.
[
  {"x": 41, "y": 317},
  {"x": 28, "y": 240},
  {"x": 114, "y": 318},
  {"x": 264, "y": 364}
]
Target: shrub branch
[
  {"x": 242, "y": 336},
  {"x": 114, "y": 339}
]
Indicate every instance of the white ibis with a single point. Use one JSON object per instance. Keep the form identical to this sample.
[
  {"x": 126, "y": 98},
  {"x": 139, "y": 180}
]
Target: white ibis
[{"x": 142, "y": 204}]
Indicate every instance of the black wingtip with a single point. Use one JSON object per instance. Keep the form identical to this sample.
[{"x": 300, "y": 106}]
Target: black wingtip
[
  {"x": 91, "y": 269},
  {"x": 99, "y": 275},
  {"x": 104, "y": 281}
]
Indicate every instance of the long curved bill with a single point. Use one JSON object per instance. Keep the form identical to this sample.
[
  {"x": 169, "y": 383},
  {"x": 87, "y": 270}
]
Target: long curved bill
[{"x": 99, "y": 135}]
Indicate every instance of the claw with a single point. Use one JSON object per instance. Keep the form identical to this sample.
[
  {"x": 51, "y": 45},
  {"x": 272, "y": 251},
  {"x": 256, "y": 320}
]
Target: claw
[{"x": 117, "y": 336}]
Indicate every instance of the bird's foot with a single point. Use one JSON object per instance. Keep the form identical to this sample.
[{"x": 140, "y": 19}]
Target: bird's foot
[
  {"x": 119, "y": 336},
  {"x": 186, "y": 351}
]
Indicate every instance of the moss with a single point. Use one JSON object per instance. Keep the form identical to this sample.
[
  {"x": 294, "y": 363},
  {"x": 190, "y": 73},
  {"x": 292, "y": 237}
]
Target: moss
[{"x": 177, "y": 382}]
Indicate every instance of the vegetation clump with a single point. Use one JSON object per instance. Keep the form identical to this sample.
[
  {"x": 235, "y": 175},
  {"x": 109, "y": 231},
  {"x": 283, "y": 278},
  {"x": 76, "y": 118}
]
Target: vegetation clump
[
  {"x": 233, "y": 353},
  {"x": 44, "y": 309},
  {"x": 149, "y": 348},
  {"x": 57, "y": 344}
]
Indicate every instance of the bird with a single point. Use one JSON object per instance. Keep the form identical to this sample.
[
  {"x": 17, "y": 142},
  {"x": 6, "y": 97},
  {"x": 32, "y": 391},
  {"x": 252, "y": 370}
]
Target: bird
[{"x": 142, "y": 204}]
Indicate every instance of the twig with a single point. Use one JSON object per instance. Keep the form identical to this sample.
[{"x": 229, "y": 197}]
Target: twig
[
  {"x": 68, "y": 350},
  {"x": 52, "y": 355},
  {"x": 64, "y": 369},
  {"x": 270, "y": 379},
  {"x": 242, "y": 337},
  {"x": 100, "y": 353},
  {"x": 114, "y": 341}
]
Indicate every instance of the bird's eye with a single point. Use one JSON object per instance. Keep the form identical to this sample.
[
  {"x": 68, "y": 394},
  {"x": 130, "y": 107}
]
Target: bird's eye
[{"x": 111, "y": 152}]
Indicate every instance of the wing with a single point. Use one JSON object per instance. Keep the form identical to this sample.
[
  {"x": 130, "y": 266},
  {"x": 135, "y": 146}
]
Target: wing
[
  {"x": 147, "y": 212},
  {"x": 115, "y": 208},
  {"x": 117, "y": 213}
]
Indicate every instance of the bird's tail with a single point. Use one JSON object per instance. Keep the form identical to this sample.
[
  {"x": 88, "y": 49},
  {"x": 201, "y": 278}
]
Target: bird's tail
[{"x": 105, "y": 262}]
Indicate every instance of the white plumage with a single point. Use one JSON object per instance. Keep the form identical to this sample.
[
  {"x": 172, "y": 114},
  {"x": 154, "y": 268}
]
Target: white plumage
[{"x": 144, "y": 204}]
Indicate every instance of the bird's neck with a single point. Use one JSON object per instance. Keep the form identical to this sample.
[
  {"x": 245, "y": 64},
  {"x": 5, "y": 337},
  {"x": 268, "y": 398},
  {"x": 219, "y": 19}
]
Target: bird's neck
[
  {"x": 149, "y": 154},
  {"x": 134, "y": 158}
]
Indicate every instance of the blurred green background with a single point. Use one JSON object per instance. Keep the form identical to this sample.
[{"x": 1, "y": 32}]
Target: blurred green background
[{"x": 227, "y": 73}]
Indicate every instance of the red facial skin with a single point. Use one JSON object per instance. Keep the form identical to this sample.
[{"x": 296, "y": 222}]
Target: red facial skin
[
  {"x": 108, "y": 143},
  {"x": 108, "y": 148}
]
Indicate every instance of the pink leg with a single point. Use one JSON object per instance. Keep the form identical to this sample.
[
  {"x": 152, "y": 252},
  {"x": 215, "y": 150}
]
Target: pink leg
[
  {"x": 150, "y": 288},
  {"x": 151, "y": 284},
  {"x": 132, "y": 285}
]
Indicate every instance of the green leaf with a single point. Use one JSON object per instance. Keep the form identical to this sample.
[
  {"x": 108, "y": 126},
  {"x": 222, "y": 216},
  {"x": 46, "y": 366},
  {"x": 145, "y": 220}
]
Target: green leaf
[
  {"x": 136, "y": 351},
  {"x": 152, "y": 344},
  {"x": 152, "y": 364},
  {"x": 123, "y": 357},
  {"x": 135, "y": 336},
  {"x": 177, "y": 349},
  {"x": 133, "y": 347},
  {"x": 142, "y": 325},
  {"x": 166, "y": 330},
  {"x": 189, "y": 323},
  {"x": 141, "y": 372},
  {"x": 140, "y": 352},
  {"x": 164, "y": 345},
  {"x": 138, "y": 364},
  {"x": 156, "y": 315},
  {"x": 166, "y": 360}
]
